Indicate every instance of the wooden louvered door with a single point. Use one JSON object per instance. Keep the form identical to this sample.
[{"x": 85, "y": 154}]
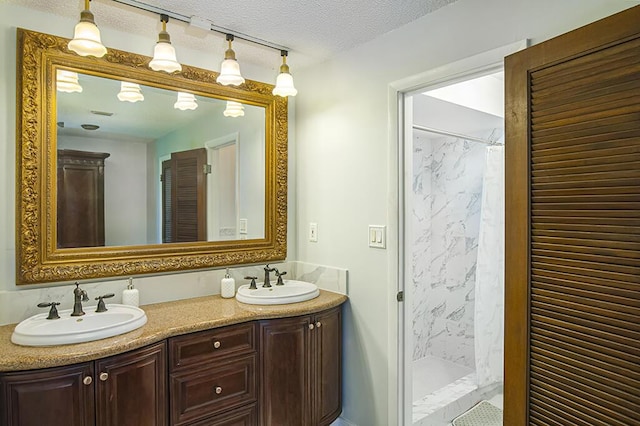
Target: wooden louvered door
[
  {"x": 572, "y": 329},
  {"x": 184, "y": 197}
]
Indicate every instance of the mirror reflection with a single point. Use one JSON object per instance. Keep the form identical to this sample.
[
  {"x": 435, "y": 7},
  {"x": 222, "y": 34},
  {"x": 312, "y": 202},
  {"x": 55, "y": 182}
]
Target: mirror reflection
[{"x": 143, "y": 165}]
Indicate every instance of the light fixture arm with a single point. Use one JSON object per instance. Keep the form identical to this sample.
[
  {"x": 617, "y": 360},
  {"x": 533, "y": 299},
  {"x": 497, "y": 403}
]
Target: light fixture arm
[
  {"x": 284, "y": 67},
  {"x": 209, "y": 26},
  {"x": 229, "y": 53}
]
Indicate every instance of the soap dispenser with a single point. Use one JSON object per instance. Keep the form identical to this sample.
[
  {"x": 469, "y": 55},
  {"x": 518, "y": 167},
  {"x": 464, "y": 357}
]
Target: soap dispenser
[
  {"x": 130, "y": 295},
  {"x": 227, "y": 286}
]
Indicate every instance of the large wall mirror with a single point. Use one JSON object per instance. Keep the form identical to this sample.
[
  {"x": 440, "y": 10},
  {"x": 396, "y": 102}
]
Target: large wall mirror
[{"x": 123, "y": 170}]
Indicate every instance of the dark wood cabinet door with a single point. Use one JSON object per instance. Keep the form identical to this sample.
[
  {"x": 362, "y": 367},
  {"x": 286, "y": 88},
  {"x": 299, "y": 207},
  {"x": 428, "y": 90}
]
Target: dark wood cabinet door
[
  {"x": 51, "y": 397},
  {"x": 80, "y": 198},
  {"x": 327, "y": 351},
  {"x": 131, "y": 389},
  {"x": 285, "y": 391}
]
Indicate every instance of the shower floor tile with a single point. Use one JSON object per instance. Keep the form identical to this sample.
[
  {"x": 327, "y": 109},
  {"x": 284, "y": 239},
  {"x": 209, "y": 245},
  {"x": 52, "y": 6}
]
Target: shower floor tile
[{"x": 431, "y": 373}]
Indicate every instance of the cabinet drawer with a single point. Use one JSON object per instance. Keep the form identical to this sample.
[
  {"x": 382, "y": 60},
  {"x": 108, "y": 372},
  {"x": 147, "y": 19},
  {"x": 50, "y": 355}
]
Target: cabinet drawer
[
  {"x": 245, "y": 416},
  {"x": 208, "y": 391},
  {"x": 206, "y": 346}
]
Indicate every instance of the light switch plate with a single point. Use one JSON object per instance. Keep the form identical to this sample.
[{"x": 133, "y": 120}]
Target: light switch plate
[
  {"x": 313, "y": 232},
  {"x": 378, "y": 236},
  {"x": 243, "y": 226}
]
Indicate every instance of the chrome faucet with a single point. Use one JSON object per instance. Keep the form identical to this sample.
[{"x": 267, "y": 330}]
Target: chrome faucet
[
  {"x": 266, "y": 283},
  {"x": 79, "y": 296}
]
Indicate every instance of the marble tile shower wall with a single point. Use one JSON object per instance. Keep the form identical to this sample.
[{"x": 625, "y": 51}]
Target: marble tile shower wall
[{"x": 447, "y": 190}]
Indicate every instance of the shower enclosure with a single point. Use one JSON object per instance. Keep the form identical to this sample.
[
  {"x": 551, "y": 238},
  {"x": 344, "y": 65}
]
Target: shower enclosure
[{"x": 456, "y": 240}]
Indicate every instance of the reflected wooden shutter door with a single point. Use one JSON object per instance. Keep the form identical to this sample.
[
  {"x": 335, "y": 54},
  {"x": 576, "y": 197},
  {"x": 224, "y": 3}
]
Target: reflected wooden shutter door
[
  {"x": 189, "y": 183},
  {"x": 583, "y": 232}
]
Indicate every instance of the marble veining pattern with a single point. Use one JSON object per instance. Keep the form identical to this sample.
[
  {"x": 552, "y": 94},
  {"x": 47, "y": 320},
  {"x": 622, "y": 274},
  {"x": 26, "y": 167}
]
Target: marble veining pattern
[{"x": 447, "y": 197}]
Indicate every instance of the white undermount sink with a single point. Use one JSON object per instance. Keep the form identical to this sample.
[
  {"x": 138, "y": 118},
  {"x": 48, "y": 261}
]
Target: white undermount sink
[
  {"x": 39, "y": 331},
  {"x": 291, "y": 292}
]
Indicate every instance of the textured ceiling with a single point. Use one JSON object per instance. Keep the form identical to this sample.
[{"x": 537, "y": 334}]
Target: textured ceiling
[{"x": 313, "y": 30}]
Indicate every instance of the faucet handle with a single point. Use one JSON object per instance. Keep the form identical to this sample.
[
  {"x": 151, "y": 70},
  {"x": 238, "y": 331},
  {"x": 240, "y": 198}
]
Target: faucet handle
[
  {"x": 279, "y": 275},
  {"x": 53, "y": 312},
  {"x": 101, "y": 306},
  {"x": 253, "y": 285}
]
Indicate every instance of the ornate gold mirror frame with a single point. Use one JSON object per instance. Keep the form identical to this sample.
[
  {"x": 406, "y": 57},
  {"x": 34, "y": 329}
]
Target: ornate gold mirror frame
[{"x": 37, "y": 256}]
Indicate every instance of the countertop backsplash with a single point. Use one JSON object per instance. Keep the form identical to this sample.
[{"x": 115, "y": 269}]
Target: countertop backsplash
[{"x": 17, "y": 305}]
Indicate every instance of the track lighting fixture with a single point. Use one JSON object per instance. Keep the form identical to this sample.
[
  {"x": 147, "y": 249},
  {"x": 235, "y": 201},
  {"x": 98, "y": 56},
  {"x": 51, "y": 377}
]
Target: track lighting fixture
[
  {"x": 130, "y": 92},
  {"x": 86, "y": 36},
  {"x": 234, "y": 109},
  {"x": 230, "y": 69},
  {"x": 185, "y": 101},
  {"x": 284, "y": 82},
  {"x": 164, "y": 55},
  {"x": 67, "y": 81}
]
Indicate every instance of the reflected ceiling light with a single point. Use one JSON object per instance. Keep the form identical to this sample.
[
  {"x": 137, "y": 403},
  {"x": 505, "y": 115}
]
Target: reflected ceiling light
[
  {"x": 284, "y": 82},
  {"x": 130, "y": 92},
  {"x": 230, "y": 69},
  {"x": 234, "y": 109},
  {"x": 86, "y": 36},
  {"x": 67, "y": 81},
  {"x": 90, "y": 126},
  {"x": 185, "y": 101},
  {"x": 164, "y": 55}
]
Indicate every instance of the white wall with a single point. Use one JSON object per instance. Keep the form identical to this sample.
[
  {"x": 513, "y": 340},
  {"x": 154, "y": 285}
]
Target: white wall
[
  {"x": 347, "y": 168},
  {"x": 12, "y": 16}
]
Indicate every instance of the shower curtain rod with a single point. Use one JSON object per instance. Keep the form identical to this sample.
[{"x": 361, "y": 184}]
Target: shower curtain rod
[{"x": 455, "y": 135}]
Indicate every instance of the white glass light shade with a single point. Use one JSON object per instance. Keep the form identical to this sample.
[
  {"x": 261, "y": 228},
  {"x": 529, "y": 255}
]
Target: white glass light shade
[
  {"x": 234, "y": 109},
  {"x": 284, "y": 85},
  {"x": 230, "y": 73},
  {"x": 86, "y": 37},
  {"x": 130, "y": 92},
  {"x": 164, "y": 57},
  {"x": 67, "y": 81},
  {"x": 185, "y": 101}
]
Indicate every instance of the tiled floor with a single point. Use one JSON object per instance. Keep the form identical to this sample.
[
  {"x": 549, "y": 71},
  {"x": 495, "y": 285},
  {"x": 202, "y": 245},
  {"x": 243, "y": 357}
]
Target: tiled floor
[{"x": 431, "y": 373}]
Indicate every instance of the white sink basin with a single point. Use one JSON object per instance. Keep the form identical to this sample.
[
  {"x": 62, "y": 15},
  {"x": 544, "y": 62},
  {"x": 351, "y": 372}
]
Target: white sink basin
[
  {"x": 39, "y": 331},
  {"x": 291, "y": 292}
]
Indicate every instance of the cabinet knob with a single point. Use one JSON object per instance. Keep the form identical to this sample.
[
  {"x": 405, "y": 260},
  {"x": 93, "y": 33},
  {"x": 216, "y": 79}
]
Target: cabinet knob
[
  {"x": 87, "y": 380},
  {"x": 216, "y": 344},
  {"x": 311, "y": 326},
  {"x": 218, "y": 390},
  {"x": 318, "y": 324},
  {"x": 104, "y": 376}
]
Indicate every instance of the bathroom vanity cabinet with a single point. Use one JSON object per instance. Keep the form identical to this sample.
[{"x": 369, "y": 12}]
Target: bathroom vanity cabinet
[
  {"x": 212, "y": 372},
  {"x": 301, "y": 369},
  {"x": 275, "y": 372},
  {"x": 126, "y": 389}
]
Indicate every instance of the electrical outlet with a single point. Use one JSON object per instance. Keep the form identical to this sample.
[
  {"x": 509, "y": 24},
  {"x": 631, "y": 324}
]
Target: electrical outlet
[{"x": 313, "y": 232}]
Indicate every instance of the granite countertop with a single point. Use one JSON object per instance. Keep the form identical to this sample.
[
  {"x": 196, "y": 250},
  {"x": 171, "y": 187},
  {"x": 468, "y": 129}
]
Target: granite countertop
[{"x": 163, "y": 320}]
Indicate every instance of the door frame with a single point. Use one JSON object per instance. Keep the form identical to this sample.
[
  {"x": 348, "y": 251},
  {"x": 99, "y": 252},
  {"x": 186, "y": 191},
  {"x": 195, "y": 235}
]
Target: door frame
[{"x": 400, "y": 133}]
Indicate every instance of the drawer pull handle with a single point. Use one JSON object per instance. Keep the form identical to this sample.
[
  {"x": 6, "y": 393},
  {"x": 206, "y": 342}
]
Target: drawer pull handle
[
  {"x": 218, "y": 390},
  {"x": 318, "y": 324},
  {"x": 87, "y": 380},
  {"x": 311, "y": 326},
  {"x": 216, "y": 344},
  {"x": 104, "y": 376}
]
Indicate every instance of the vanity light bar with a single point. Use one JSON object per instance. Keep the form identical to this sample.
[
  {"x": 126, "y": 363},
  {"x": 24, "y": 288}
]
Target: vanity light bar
[{"x": 201, "y": 23}]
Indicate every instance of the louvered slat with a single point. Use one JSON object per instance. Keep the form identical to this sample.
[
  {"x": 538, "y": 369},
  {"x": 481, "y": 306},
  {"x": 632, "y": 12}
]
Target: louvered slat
[{"x": 584, "y": 309}]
